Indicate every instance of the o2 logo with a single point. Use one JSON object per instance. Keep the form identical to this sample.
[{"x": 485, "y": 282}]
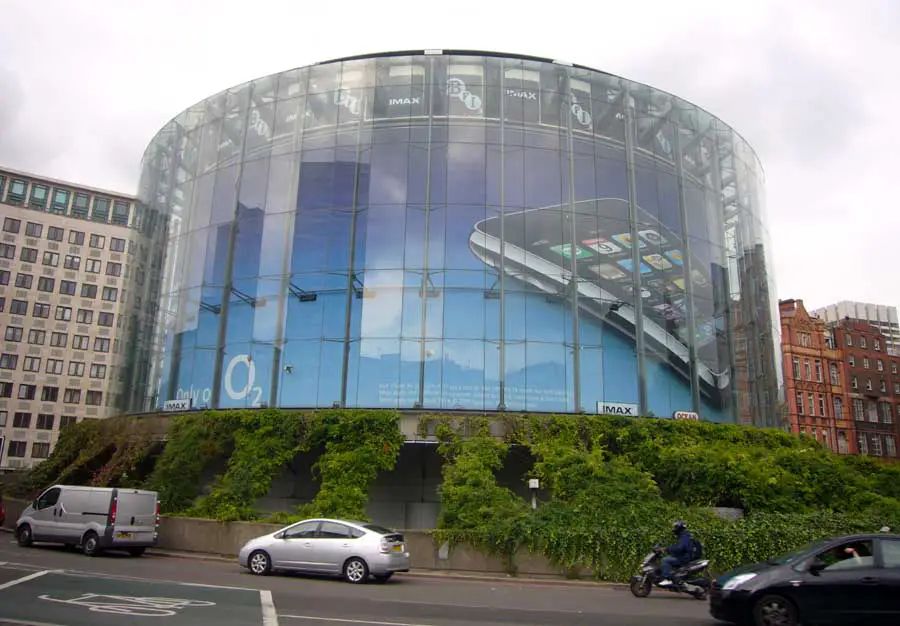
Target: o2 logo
[
  {"x": 254, "y": 392},
  {"x": 249, "y": 393}
]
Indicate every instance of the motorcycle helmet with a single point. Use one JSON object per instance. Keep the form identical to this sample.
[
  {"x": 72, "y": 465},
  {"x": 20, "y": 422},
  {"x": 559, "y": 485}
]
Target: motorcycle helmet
[{"x": 678, "y": 527}]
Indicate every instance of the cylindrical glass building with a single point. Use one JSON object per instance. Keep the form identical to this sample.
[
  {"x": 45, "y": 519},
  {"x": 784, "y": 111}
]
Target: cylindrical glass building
[{"x": 462, "y": 230}]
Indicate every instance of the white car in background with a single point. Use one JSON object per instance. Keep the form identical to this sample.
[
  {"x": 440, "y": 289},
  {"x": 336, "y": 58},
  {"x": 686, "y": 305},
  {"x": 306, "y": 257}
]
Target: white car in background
[{"x": 349, "y": 549}]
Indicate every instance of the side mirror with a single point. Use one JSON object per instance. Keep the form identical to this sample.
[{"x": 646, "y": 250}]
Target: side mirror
[
  {"x": 34, "y": 505},
  {"x": 279, "y": 535}
]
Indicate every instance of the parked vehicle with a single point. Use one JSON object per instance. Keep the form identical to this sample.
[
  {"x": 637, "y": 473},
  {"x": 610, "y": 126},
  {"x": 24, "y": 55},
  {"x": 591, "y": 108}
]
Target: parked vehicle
[
  {"x": 691, "y": 578},
  {"x": 2, "y": 511},
  {"x": 854, "y": 579},
  {"x": 94, "y": 518},
  {"x": 352, "y": 550}
]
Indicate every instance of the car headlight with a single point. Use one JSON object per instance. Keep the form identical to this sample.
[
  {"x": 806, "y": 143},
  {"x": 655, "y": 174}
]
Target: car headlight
[{"x": 737, "y": 581}]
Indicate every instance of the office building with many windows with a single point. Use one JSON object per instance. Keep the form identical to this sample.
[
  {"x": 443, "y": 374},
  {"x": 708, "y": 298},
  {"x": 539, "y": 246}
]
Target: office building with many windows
[
  {"x": 462, "y": 230},
  {"x": 76, "y": 274}
]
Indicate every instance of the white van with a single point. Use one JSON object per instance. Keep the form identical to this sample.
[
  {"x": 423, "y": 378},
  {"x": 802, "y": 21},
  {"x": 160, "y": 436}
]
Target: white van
[{"x": 95, "y": 518}]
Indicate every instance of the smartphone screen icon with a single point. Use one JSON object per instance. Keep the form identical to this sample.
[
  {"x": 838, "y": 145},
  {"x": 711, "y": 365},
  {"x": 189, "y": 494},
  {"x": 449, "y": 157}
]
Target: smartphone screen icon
[
  {"x": 566, "y": 250},
  {"x": 625, "y": 240},
  {"x": 675, "y": 257},
  {"x": 652, "y": 237},
  {"x": 658, "y": 261},
  {"x": 629, "y": 265},
  {"x": 602, "y": 246},
  {"x": 608, "y": 271}
]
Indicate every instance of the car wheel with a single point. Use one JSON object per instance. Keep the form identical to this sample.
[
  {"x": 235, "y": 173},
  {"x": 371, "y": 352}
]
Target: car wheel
[
  {"x": 137, "y": 551},
  {"x": 24, "y": 536},
  {"x": 641, "y": 588},
  {"x": 775, "y": 611},
  {"x": 90, "y": 546},
  {"x": 356, "y": 571},
  {"x": 259, "y": 563},
  {"x": 383, "y": 578}
]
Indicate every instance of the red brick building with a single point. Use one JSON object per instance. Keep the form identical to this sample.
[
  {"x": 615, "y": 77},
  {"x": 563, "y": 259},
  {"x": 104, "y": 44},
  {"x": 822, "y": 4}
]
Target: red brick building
[
  {"x": 873, "y": 386},
  {"x": 815, "y": 380}
]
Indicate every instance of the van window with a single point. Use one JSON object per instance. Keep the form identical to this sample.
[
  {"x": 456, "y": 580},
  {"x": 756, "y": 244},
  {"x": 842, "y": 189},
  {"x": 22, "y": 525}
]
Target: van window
[{"x": 48, "y": 498}]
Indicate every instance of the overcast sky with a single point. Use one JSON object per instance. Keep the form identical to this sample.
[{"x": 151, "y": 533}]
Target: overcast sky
[{"x": 811, "y": 84}]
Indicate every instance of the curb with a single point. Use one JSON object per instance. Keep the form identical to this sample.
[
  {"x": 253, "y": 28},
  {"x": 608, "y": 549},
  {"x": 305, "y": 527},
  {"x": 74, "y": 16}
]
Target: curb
[{"x": 421, "y": 573}]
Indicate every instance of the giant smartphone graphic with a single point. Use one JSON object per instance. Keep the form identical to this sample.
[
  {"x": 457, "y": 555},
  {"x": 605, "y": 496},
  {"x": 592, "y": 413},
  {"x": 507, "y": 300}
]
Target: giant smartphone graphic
[{"x": 539, "y": 248}]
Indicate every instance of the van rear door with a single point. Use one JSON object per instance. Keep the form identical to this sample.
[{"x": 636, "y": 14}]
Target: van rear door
[{"x": 135, "y": 517}]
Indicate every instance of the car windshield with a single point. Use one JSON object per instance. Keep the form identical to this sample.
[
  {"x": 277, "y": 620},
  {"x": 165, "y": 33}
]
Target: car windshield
[
  {"x": 790, "y": 557},
  {"x": 381, "y": 530}
]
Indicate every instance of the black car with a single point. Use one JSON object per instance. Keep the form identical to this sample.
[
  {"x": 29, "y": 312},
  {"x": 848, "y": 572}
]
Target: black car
[{"x": 851, "y": 580}]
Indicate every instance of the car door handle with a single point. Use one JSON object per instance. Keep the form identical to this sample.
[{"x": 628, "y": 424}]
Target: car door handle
[
  {"x": 345, "y": 545},
  {"x": 869, "y": 580},
  {"x": 308, "y": 544}
]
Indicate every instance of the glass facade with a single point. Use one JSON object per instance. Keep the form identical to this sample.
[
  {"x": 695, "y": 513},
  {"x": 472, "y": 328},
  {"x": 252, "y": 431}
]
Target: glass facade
[{"x": 462, "y": 230}]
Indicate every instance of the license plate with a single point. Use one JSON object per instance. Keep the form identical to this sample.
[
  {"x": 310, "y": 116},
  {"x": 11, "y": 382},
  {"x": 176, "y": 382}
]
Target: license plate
[
  {"x": 398, "y": 548},
  {"x": 125, "y": 535}
]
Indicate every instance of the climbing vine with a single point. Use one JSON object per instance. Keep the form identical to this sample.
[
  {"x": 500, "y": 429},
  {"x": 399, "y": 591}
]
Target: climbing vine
[{"x": 357, "y": 445}]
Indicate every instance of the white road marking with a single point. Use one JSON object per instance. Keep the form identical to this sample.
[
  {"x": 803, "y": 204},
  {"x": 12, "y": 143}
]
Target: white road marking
[
  {"x": 19, "y": 622},
  {"x": 25, "y": 579},
  {"x": 312, "y": 618},
  {"x": 270, "y": 616}
]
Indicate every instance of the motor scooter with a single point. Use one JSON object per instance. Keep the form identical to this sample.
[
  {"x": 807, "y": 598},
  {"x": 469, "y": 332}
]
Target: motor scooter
[{"x": 691, "y": 578}]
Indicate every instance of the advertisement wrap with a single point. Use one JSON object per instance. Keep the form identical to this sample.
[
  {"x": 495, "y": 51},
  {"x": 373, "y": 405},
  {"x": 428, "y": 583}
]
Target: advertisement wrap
[{"x": 440, "y": 240}]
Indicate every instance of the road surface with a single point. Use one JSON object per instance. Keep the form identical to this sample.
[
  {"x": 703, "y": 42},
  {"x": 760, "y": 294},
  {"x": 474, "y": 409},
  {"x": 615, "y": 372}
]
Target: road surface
[{"x": 50, "y": 586}]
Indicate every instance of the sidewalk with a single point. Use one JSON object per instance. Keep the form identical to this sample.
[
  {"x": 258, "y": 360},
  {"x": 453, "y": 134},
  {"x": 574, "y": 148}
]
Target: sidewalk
[{"x": 421, "y": 573}]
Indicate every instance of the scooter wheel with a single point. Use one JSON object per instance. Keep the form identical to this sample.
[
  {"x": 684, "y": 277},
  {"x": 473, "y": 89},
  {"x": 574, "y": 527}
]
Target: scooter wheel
[{"x": 641, "y": 588}]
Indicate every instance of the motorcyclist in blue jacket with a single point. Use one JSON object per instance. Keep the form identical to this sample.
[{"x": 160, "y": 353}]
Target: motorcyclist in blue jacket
[{"x": 678, "y": 554}]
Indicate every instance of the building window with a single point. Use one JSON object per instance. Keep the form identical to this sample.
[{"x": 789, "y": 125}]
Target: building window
[
  {"x": 46, "y": 284},
  {"x": 120, "y": 213},
  {"x": 24, "y": 281},
  {"x": 81, "y": 342},
  {"x": 835, "y": 376},
  {"x": 97, "y": 241},
  {"x": 804, "y": 340},
  {"x": 63, "y": 313},
  {"x": 869, "y": 384},
  {"x": 890, "y": 445},
  {"x": 55, "y": 233},
  {"x": 843, "y": 444},
  {"x": 838, "y": 408},
  {"x": 2, "y": 304},
  {"x": 80, "y": 205},
  {"x": 50, "y": 259},
  {"x": 4, "y": 277},
  {"x": 7, "y": 251},
  {"x": 11, "y": 225},
  {"x": 873, "y": 412},
  {"x": 17, "y": 449},
  {"x": 39, "y": 194},
  {"x": 876, "y": 445},
  {"x": 17, "y": 189},
  {"x": 849, "y": 339},
  {"x": 116, "y": 244},
  {"x": 84, "y": 316},
  {"x": 72, "y": 396},
  {"x": 5, "y": 390},
  {"x": 88, "y": 291},
  {"x": 72, "y": 262},
  {"x": 22, "y": 420},
  {"x": 94, "y": 398},
  {"x": 93, "y": 266},
  {"x": 76, "y": 368},
  {"x": 897, "y": 389},
  {"x": 893, "y": 368},
  {"x": 807, "y": 373},
  {"x": 887, "y": 413},
  {"x": 859, "y": 409},
  {"x": 37, "y": 337},
  {"x": 67, "y": 420},
  {"x": 110, "y": 294},
  {"x": 8, "y": 361},
  {"x": 812, "y": 403},
  {"x": 49, "y": 394},
  {"x": 854, "y": 383},
  {"x": 28, "y": 255},
  {"x": 27, "y": 392},
  {"x": 862, "y": 342},
  {"x": 13, "y": 333},
  {"x": 67, "y": 287},
  {"x": 113, "y": 269},
  {"x": 4, "y": 415},
  {"x": 865, "y": 363},
  {"x": 18, "y": 307},
  {"x": 98, "y": 371},
  {"x": 40, "y": 450},
  {"x": 876, "y": 345},
  {"x": 821, "y": 405},
  {"x": 45, "y": 421},
  {"x": 818, "y": 366},
  {"x": 798, "y": 400},
  {"x": 33, "y": 229},
  {"x": 101, "y": 344},
  {"x": 54, "y": 366},
  {"x": 76, "y": 237},
  {"x": 882, "y": 386},
  {"x": 101, "y": 210},
  {"x": 59, "y": 340},
  {"x": 105, "y": 319},
  {"x": 31, "y": 364},
  {"x": 60, "y": 201}
]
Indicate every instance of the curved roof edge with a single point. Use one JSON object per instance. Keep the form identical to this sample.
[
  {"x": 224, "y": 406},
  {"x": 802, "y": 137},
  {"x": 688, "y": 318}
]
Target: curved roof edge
[{"x": 482, "y": 53}]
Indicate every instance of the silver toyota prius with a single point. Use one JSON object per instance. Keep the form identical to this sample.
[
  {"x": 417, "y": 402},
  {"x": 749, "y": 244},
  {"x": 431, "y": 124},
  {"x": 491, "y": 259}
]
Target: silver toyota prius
[{"x": 352, "y": 550}]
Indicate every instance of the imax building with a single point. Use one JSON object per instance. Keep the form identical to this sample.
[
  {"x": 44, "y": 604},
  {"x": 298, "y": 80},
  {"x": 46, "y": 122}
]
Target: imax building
[{"x": 460, "y": 230}]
